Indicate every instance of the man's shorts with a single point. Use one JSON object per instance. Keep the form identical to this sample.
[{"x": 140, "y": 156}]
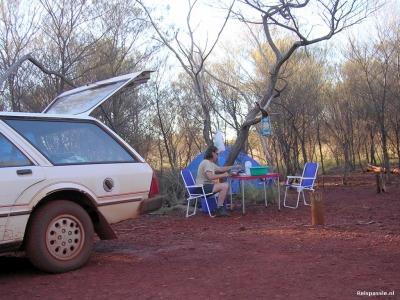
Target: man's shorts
[{"x": 208, "y": 188}]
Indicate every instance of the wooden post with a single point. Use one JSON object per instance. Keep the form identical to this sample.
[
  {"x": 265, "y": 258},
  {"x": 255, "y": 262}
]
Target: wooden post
[{"x": 317, "y": 209}]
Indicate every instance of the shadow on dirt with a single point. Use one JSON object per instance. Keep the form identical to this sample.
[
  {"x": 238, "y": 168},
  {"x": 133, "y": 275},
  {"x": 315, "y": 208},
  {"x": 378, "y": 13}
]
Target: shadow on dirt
[{"x": 17, "y": 265}]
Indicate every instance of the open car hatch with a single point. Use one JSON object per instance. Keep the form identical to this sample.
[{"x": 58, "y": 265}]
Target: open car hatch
[{"x": 83, "y": 100}]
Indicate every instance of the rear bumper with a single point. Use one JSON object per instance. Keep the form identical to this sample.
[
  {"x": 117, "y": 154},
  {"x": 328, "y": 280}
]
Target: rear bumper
[{"x": 151, "y": 204}]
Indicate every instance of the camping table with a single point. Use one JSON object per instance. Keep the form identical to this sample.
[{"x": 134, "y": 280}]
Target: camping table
[{"x": 243, "y": 178}]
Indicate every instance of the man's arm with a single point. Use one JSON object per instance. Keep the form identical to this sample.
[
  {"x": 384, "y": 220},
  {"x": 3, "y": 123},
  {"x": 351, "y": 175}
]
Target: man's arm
[
  {"x": 213, "y": 176},
  {"x": 228, "y": 168}
]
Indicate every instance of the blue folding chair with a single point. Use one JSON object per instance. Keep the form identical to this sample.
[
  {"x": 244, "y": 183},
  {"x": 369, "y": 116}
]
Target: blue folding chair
[
  {"x": 191, "y": 188},
  {"x": 306, "y": 182}
]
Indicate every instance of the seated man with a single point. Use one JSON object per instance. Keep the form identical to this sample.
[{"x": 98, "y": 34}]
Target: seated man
[{"x": 207, "y": 172}]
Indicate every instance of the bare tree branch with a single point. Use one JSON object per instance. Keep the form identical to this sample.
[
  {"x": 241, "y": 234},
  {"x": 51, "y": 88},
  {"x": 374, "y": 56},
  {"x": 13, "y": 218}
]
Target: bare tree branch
[
  {"x": 28, "y": 57},
  {"x": 192, "y": 59},
  {"x": 337, "y": 15}
]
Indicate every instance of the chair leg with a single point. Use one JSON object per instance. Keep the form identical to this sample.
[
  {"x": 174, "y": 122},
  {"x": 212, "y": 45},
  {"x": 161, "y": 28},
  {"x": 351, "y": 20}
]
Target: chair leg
[
  {"x": 208, "y": 208},
  {"x": 188, "y": 205},
  {"x": 284, "y": 199},
  {"x": 298, "y": 197},
  {"x": 304, "y": 199}
]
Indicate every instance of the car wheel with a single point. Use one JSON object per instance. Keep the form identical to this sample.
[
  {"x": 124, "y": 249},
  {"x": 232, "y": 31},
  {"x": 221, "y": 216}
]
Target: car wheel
[{"x": 59, "y": 237}]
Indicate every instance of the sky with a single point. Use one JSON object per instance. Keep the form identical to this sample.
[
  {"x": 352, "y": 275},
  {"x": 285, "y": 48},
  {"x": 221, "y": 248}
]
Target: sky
[
  {"x": 205, "y": 20},
  {"x": 210, "y": 20}
]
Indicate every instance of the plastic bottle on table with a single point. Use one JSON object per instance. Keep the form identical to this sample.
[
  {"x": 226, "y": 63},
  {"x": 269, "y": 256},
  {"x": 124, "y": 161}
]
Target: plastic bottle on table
[{"x": 247, "y": 166}]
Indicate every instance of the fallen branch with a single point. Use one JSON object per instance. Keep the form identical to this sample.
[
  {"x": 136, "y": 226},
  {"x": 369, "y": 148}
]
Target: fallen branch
[{"x": 375, "y": 169}]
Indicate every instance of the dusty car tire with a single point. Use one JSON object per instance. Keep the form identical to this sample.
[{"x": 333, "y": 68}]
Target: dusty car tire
[{"x": 59, "y": 237}]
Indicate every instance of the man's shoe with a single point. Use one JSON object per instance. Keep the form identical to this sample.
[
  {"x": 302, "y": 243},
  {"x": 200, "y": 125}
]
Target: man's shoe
[{"x": 221, "y": 212}]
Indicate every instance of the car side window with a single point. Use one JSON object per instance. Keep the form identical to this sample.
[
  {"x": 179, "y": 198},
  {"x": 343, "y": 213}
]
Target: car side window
[
  {"x": 11, "y": 156},
  {"x": 71, "y": 142}
]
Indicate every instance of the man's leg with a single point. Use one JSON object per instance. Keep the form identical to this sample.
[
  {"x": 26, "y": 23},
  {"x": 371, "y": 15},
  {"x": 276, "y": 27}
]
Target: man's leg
[{"x": 222, "y": 189}]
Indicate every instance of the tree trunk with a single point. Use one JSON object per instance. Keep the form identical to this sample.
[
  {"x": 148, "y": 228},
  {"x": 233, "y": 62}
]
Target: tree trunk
[
  {"x": 238, "y": 145},
  {"x": 320, "y": 148},
  {"x": 380, "y": 183}
]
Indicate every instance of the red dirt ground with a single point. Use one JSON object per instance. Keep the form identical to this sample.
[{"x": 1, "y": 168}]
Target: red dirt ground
[{"x": 264, "y": 254}]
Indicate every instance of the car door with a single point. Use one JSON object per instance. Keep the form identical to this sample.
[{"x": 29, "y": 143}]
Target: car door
[
  {"x": 17, "y": 173},
  {"x": 83, "y": 100}
]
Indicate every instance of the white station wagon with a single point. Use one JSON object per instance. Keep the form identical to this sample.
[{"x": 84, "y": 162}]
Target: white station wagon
[{"x": 65, "y": 176}]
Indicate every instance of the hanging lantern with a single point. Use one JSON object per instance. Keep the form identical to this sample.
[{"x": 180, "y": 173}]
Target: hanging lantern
[
  {"x": 266, "y": 126},
  {"x": 265, "y": 122}
]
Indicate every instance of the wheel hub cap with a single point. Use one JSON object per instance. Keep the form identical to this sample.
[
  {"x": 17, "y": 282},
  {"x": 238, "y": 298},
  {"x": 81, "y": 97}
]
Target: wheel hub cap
[{"x": 65, "y": 237}]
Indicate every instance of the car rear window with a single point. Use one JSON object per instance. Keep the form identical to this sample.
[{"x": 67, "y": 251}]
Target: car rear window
[
  {"x": 83, "y": 101},
  {"x": 71, "y": 142}
]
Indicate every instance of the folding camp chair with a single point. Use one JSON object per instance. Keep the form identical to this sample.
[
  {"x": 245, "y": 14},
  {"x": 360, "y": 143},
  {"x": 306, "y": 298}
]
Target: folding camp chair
[
  {"x": 306, "y": 182},
  {"x": 191, "y": 187}
]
